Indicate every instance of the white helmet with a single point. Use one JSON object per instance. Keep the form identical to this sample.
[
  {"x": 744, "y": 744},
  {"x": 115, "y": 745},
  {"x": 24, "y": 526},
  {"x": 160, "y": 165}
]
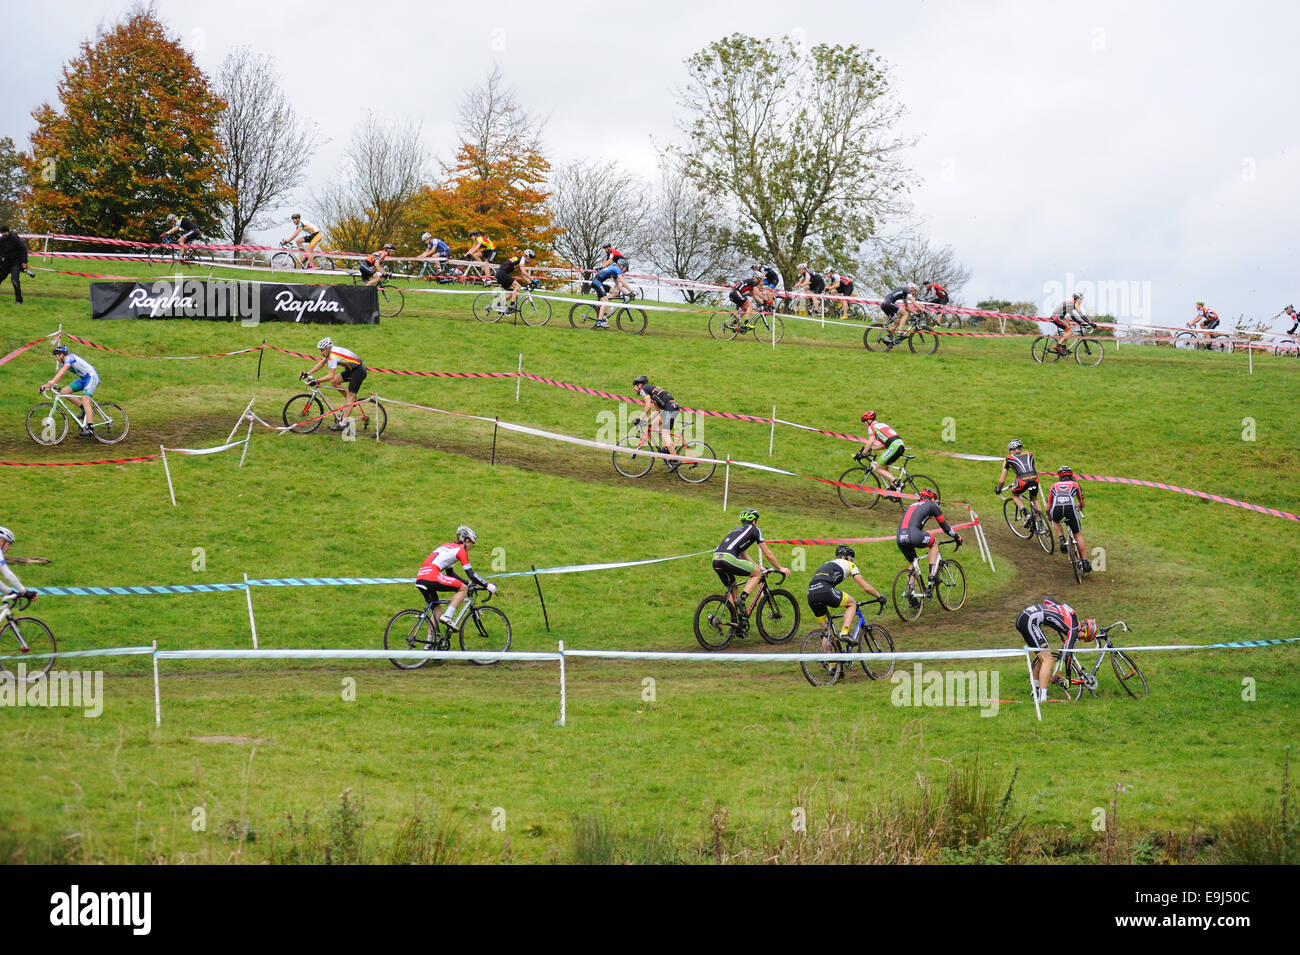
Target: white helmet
[
  {"x": 6, "y": 535},
  {"x": 529, "y": 254},
  {"x": 911, "y": 286},
  {"x": 803, "y": 266},
  {"x": 426, "y": 237},
  {"x": 325, "y": 343},
  {"x": 466, "y": 533}
]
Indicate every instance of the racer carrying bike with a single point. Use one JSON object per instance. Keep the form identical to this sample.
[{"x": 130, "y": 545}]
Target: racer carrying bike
[
  {"x": 347, "y": 372},
  {"x": 1021, "y": 463},
  {"x": 9, "y": 581},
  {"x": 86, "y": 383},
  {"x": 912, "y": 533},
  {"x": 659, "y": 403},
  {"x": 1061, "y": 618},
  {"x": 730, "y": 562},
  {"x": 824, "y": 593},
  {"x": 436, "y": 575},
  {"x": 881, "y": 437},
  {"x": 1066, "y": 499}
]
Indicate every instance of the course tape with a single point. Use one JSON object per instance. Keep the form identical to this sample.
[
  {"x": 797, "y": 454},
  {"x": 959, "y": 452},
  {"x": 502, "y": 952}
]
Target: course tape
[
  {"x": 225, "y": 354},
  {"x": 75, "y": 464},
  {"x": 1184, "y": 490},
  {"x": 20, "y": 349}
]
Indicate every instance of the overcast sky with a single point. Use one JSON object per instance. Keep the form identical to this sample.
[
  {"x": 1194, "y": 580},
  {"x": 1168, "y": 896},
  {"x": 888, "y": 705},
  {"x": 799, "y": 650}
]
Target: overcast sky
[{"x": 1152, "y": 148}]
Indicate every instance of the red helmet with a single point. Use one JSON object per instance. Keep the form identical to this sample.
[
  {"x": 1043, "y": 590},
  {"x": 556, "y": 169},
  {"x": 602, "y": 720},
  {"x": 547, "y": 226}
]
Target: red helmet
[
  {"x": 1088, "y": 632},
  {"x": 927, "y": 494},
  {"x": 868, "y": 416}
]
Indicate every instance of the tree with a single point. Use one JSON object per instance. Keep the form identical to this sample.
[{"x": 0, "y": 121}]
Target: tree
[
  {"x": 1017, "y": 326},
  {"x": 688, "y": 237},
  {"x": 911, "y": 258},
  {"x": 494, "y": 128},
  {"x": 11, "y": 183},
  {"x": 596, "y": 202},
  {"x": 374, "y": 198},
  {"x": 266, "y": 147},
  {"x": 136, "y": 137},
  {"x": 800, "y": 144}
]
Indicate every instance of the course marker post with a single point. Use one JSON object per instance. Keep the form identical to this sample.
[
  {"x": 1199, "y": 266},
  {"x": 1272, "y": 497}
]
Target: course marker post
[
  {"x": 260, "y": 352},
  {"x": 157, "y": 697},
  {"x": 726, "y": 483},
  {"x": 545, "y": 617},
  {"x": 496, "y": 424},
  {"x": 248, "y": 439},
  {"x": 519, "y": 377},
  {"x": 1029, "y": 662},
  {"x": 244, "y": 414},
  {"x": 252, "y": 623},
  {"x": 168, "y": 471},
  {"x": 563, "y": 695},
  {"x": 771, "y": 438}
]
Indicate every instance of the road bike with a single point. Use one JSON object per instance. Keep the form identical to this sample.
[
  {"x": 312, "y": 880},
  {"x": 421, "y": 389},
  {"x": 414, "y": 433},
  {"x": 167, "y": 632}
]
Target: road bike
[
  {"x": 729, "y": 324},
  {"x": 864, "y": 475},
  {"x": 718, "y": 622},
  {"x": 390, "y": 296},
  {"x": 1210, "y": 341},
  {"x": 304, "y": 413},
  {"x": 912, "y": 588},
  {"x": 49, "y": 421},
  {"x": 171, "y": 252},
  {"x": 1027, "y": 522},
  {"x": 919, "y": 335},
  {"x": 24, "y": 637},
  {"x": 694, "y": 466},
  {"x": 1086, "y": 351},
  {"x": 630, "y": 320},
  {"x": 1071, "y": 548},
  {"x": 477, "y": 626},
  {"x": 866, "y": 639},
  {"x": 1073, "y": 677},
  {"x": 489, "y": 307},
  {"x": 290, "y": 259}
]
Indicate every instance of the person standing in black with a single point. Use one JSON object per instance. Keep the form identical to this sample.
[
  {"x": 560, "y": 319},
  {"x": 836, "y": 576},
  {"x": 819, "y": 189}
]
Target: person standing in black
[{"x": 13, "y": 260}]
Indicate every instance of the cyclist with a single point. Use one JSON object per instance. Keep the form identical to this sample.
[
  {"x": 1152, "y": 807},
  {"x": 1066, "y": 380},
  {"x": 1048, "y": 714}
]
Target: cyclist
[
  {"x": 506, "y": 274},
  {"x": 823, "y": 592},
  {"x": 932, "y": 293},
  {"x": 86, "y": 383},
  {"x": 436, "y": 575},
  {"x": 730, "y": 562},
  {"x": 881, "y": 437},
  {"x": 840, "y": 285},
  {"x": 652, "y": 398},
  {"x": 1021, "y": 463},
  {"x": 1064, "y": 620},
  {"x": 768, "y": 281},
  {"x": 1295, "y": 319},
  {"x": 435, "y": 251},
  {"x": 346, "y": 373},
  {"x": 1063, "y": 495},
  {"x": 601, "y": 280},
  {"x": 483, "y": 251},
  {"x": 614, "y": 257},
  {"x": 9, "y": 581},
  {"x": 900, "y": 302},
  {"x": 306, "y": 236},
  {"x": 184, "y": 228},
  {"x": 912, "y": 533},
  {"x": 809, "y": 283},
  {"x": 742, "y": 295},
  {"x": 1206, "y": 319},
  {"x": 1065, "y": 318},
  {"x": 372, "y": 265}
]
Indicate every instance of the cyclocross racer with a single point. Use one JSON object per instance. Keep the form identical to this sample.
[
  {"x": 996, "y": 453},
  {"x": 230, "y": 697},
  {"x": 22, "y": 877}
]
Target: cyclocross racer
[
  {"x": 347, "y": 372},
  {"x": 886, "y": 440},
  {"x": 1021, "y": 463},
  {"x": 9, "y": 581},
  {"x": 86, "y": 383},
  {"x": 437, "y": 576},
  {"x": 1061, "y": 618},
  {"x": 730, "y": 562},
  {"x": 1066, "y": 499},
  {"x": 652, "y": 398},
  {"x": 823, "y": 588},
  {"x": 912, "y": 533}
]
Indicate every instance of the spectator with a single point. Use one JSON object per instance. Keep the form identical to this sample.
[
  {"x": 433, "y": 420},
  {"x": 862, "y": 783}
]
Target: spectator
[{"x": 13, "y": 260}]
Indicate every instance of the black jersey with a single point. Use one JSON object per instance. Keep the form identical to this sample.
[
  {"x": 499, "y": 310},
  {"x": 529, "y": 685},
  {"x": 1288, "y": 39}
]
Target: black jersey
[
  {"x": 834, "y": 572},
  {"x": 816, "y": 283},
  {"x": 662, "y": 399},
  {"x": 896, "y": 296},
  {"x": 740, "y": 540},
  {"x": 917, "y": 514},
  {"x": 1022, "y": 465}
]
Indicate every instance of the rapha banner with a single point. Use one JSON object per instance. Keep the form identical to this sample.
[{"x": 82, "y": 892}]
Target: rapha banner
[{"x": 246, "y": 302}]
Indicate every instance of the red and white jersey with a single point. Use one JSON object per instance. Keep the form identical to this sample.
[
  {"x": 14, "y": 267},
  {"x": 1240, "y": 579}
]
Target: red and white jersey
[
  {"x": 441, "y": 559},
  {"x": 881, "y": 432},
  {"x": 338, "y": 354}
]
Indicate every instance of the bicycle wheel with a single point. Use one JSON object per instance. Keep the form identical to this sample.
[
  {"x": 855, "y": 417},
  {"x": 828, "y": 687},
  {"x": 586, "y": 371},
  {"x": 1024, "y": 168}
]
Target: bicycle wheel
[
  {"x": 1011, "y": 514},
  {"x": 282, "y": 261},
  {"x": 391, "y": 301},
  {"x": 778, "y": 616},
  {"x": 820, "y": 672},
  {"x": 1287, "y": 349},
  {"x": 114, "y": 426},
  {"x": 1126, "y": 671},
  {"x": 38, "y": 640},
  {"x": 409, "y": 630},
  {"x": 876, "y": 639},
  {"x": 632, "y": 465},
  {"x": 914, "y": 484},
  {"x": 923, "y": 343},
  {"x": 715, "y": 622},
  {"x": 535, "y": 312},
  {"x": 1071, "y": 676},
  {"x": 874, "y": 338},
  {"x": 1186, "y": 341},
  {"x": 374, "y": 415},
  {"x": 952, "y": 584},
  {"x": 1088, "y": 352},
  {"x": 768, "y": 325},
  {"x": 863, "y": 478},
  {"x": 47, "y": 423},
  {"x": 1043, "y": 531},
  {"x": 908, "y": 604},
  {"x": 584, "y": 315},
  {"x": 487, "y": 628},
  {"x": 323, "y": 263},
  {"x": 302, "y": 413},
  {"x": 724, "y": 325},
  {"x": 631, "y": 320},
  {"x": 692, "y": 468},
  {"x": 1076, "y": 562},
  {"x": 486, "y": 308},
  {"x": 1038, "y": 350}
]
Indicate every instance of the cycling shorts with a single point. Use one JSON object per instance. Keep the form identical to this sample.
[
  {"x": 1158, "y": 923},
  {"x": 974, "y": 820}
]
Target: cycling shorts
[
  {"x": 353, "y": 376},
  {"x": 737, "y": 299},
  {"x": 668, "y": 417},
  {"x": 728, "y": 567},
  {"x": 86, "y": 384},
  {"x": 889, "y": 309},
  {"x": 1060, "y": 323},
  {"x": 1065, "y": 514},
  {"x": 313, "y": 240},
  {"x": 891, "y": 452},
  {"x": 1032, "y": 632},
  {"x": 823, "y": 597},
  {"x": 1212, "y": 323},
  {"x": 909, "y": 540},
  {"x": 191, "y": 236},
  {"x": 445, "y": 582},
  {"x": 505, "y": 279},
  {"x": 1029, "y": 487},
  {"x": 367, "y": 271}
]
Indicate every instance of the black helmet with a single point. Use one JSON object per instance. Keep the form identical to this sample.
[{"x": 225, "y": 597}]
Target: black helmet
[
  {"x": 640, "y": 380},
  {"x": 476, "y": 232},
  {"x": 844, "y": 550},
  {"x": 60, "y": 349}
]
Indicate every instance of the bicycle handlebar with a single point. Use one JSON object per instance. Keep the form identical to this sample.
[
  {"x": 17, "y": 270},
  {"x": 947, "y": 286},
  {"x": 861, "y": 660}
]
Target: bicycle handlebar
[
  {"x": 1105, "y": 631},
  {"x": 19, "y": 601},
  {"x": 768, "y": 571}
]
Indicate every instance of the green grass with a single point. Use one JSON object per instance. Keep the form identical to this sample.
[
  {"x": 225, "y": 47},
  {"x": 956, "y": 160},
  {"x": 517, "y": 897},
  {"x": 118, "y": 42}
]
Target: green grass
[{"x": 432, "y": 759}]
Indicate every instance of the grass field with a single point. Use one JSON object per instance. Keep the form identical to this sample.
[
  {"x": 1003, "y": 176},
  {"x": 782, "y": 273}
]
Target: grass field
[{"x": 350, "y": 761}]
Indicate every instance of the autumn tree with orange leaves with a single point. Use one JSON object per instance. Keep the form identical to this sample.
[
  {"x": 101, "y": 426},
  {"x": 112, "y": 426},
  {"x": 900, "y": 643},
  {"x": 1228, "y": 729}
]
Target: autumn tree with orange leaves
[{"x": 135, "y": 138}]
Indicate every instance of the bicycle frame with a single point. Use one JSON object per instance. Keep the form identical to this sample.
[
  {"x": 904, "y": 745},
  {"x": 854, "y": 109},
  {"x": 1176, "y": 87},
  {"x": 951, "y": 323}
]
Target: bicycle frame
[
  {"x": 1061, "y": 670},
  {"x": 734, "y": 590},
  {"x": 73, "y": 405}
]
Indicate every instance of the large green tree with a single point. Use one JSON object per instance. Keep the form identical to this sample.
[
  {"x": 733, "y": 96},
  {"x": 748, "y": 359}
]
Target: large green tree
[
  {"x": 12, "y": 184},
  {"x": 801, "y": 145},
  {"x": 135, "y": 137}
]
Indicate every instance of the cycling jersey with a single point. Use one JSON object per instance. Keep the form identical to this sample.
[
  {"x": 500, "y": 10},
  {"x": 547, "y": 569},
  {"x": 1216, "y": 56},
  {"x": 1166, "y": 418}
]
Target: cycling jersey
[
  {"x": 374, "y": 258},
  {"x": 771, "y": 278},
  {"x": 436, "y": 565},
  {"x": 308, "y": 228},
  {"x": 14, "y": 584},
  {"x": 935, "y": 294},
  {"x": 1064, "y": 493},
  {"x": 816, "y": 283},
  {"x": 1059, "y": 617},
  {"x": 740, "y": 540},
  {"x": 80, "y": 367},
  {"x": 1022, "y": 465},
  {"x": 918, "y": 513},
  {"x": 660, "y": 397},
  {"x": 615, "y": 255},
  {"x": 437, "y": 247},
  {"x": 1211, "y": 318},
  {"x": 188, "y": 224},
  {"x": 745, "y": 286},
  {"x": 510, "y": 266},
  {"x": 342, "y": 356},
  {"x": 896, "y": 296},
  {"x": 483, "y": 242},
  {"x": 882, "y": 432},
  {"x": 834, "y": 572}
]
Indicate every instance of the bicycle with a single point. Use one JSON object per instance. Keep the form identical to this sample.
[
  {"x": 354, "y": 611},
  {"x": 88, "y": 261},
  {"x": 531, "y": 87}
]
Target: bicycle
[
  {"x": 490, "y": 306},
  {"x": 1071, "y": 550},
  {"x": 303, "y": 413},
  {"x": 391, "y": 299},
  {"x": 477, "y": 626},
  {"x": 729, "y": 324},
  {"x": 1024, "y": 526},
  {"x": 864, "y": 475},
  {"x": 48, "y": 422},
  {"x": 867, "y": 638},
  {"x": 909, "y": 601},
  {"x": 630, "y": 320},
  {"x": 694, "y": 466},
  {"x": 299, "y": 260},
  {"x": 1287, "y": 348},
  {"x": 1210, "y": 341},
  {"x": 919, "y": 335},
  {"x": 24, "y": 637},
  {"x": 174, "y": 253},
  {"x": 1086, "y": 351},
  {"x": 1074, "y": 678},
  {"x": 718, "y": 622}
]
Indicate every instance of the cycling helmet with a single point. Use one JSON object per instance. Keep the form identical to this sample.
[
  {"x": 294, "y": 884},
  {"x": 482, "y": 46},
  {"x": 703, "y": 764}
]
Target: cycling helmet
[
  {"x": 295, "y": 217},
  {"x": 388, "y": 247},
  {"x": 927, "y": 494},
  {"x": 1014, "y": 445},
  {"x": 911, "y": 286},
  {"x": 426, "y": 237},
  {"x": 60, "y": 349},
  {"x": 868, "y": 416},
  {"x": 466, "y": 533},
  {"x": 803, "y": 266},
  {"x": 6, "y": 535},
  {"x": 640, "y": 380},
  {"x": 844, "y": 550},
  {"x": 1200, "y": 304},
  {"x": 475, "y": 232},
  {"x": 608, "y": 245},
  {"x": 529, "y": 254},
  {"x": 171, "y": 217},
  {"x": 1088, "y": 631},
  {"x": 325, "y": 343},
  {"x": 748, "y": 516},
  {"x": 1066, "y": 471},
  {"x": 1289, "y": 309},
  {"x": 1077, "y": 297}
]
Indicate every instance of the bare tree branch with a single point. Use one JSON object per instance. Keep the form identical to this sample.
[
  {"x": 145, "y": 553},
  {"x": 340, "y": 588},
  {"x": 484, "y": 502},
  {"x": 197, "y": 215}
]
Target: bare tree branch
[
  {"x": 494, "y": 125},
  {"x": 596, "y": 202}
]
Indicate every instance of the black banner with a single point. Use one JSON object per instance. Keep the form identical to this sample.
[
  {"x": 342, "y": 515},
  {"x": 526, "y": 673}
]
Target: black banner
[{"x": 247, "y": 302}]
